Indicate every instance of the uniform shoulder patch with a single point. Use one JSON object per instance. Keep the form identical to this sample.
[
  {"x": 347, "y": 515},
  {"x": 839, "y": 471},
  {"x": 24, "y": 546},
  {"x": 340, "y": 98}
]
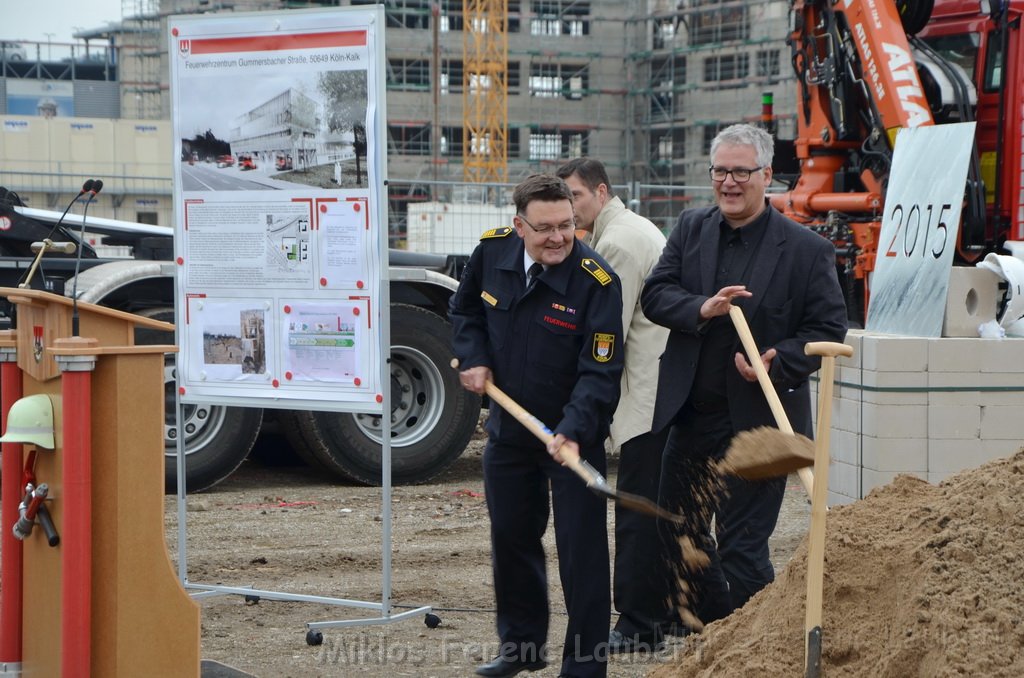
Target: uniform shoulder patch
[
  {"x": 496, "y": 233},
  {"x": 593, "y": 268}
]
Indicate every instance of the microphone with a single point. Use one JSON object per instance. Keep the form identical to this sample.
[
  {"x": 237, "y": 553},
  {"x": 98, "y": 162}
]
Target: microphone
[
  {"x": 88, "y": 187},
  {"x": 95, "y": 186}
]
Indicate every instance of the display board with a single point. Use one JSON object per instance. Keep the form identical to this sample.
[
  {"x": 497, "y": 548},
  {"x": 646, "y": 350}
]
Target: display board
[
  {"x": 919, "y": 229},
  {"x": 280, "y": 222}
]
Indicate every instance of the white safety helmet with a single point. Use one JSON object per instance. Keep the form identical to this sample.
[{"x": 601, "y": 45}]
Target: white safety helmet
[
  {"x": 30, "y": 420},
  {"x": 1011, "y": 270}
]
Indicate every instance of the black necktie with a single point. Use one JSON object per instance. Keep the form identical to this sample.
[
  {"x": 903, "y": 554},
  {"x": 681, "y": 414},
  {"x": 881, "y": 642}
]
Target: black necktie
[{"x": 535, "y": 270}]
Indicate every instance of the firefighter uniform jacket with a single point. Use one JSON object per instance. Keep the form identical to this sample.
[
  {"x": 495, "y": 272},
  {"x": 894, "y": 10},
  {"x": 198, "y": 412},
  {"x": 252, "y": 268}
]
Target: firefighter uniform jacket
[{"x": 555, "y": 347}]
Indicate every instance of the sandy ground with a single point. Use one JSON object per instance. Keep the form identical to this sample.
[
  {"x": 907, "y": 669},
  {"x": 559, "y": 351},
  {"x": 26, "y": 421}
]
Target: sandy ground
[{"x": 285, "y": 529}]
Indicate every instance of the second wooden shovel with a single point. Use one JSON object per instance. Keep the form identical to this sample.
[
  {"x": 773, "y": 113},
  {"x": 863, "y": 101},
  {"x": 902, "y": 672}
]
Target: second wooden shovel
[
  {"x": 766, "y": 452},
  {"x": 816, "y": 540}
]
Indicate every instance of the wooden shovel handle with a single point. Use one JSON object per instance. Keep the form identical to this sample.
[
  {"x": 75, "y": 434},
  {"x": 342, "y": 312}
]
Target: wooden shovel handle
[
  {"x": 747, "y": 339},
  {"x": 829, "y": 349},
  {"x": 534, "y": 426},
  {"x": 781, "y": 420}
]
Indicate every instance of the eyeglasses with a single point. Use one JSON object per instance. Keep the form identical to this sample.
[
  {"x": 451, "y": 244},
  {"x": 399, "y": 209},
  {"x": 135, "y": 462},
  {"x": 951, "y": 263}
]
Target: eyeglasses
[
  {"x": 740, "y": 175},
  {"x": 565, "y": 228}
]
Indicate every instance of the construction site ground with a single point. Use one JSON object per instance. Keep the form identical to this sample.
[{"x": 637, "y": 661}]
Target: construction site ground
[{"x": 288, "y": 529}]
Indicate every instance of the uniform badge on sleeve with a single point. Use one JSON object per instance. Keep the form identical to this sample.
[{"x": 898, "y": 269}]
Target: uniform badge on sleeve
[{"x": 604, "y": 347}]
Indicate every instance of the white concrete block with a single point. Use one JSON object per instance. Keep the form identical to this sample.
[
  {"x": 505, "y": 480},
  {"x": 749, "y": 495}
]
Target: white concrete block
[
  {"x": 854, "y": 339},
  {"x": 835, "y": 499},
  {"x": 905, "y": 455},
  {"x": 952, "y": 421},
  {"x": 887, "y": 388},
  {"x": 955, "y": 355},
  {"x": 844, "y": 479},
  {"x": 885, "y": 353},
  {"x": 954, "y": 455},
  {"x": 983, "y": 388},
  {"x": 1004, "y": 355},
  {"x": 1002, "y": 423},
  {"x": 895, "y": 421},
  {"x": 845, "y": 447},
  {"x": 847, "y": 416},
  {"x": 970, "y": 301},
  {"x": 937, "y": 477},
  {"x": 998, "y": 449},
  {"x": 1012, "y": 396}
]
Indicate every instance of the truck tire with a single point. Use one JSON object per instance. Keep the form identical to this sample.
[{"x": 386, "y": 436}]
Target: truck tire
[
  {"x": 217, "y": 438},
  {"x": 433, "y": 416}
]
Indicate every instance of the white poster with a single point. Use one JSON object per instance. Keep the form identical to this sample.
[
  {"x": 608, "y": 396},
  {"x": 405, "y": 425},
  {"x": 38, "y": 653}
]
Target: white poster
[
  {"x": 281, "y": 221},
  {"x": 919, "y": 229}
]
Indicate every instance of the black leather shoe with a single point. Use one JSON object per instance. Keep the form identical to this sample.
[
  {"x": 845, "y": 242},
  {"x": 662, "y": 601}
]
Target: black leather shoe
[
  {"x": 508, "y": 666},
  {"x": 618, "y": 643}
]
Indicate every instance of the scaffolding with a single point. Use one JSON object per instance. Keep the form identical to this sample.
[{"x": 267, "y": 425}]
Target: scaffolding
[
  {"x": 699, "y": 66},
  {"x": 140, "y": 60}
]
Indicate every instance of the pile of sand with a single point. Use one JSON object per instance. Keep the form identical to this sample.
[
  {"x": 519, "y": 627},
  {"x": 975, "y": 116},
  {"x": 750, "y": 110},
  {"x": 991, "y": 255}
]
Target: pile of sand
[{"x": 920, "y": 580}]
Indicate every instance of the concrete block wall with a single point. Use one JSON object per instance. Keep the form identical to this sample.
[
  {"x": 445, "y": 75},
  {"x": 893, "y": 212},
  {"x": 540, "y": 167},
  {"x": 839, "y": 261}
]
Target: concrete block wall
[{"x": 927, "y": 407}]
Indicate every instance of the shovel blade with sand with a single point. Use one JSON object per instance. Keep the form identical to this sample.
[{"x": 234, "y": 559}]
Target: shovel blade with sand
[{"x": 767, "y": 452}]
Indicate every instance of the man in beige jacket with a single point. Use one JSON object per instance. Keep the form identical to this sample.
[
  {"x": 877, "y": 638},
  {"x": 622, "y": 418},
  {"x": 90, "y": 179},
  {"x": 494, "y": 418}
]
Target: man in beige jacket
[{"x": 632, "y": 245}]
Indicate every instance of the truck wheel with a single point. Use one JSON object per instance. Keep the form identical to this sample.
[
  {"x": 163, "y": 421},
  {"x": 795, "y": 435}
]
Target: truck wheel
[
  {"x": 432, "y": 416},
  {"x": 217, "y": 438}
]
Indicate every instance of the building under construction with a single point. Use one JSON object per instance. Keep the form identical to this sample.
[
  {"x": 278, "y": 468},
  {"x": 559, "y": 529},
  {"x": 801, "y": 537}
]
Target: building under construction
[{"x": 484, "y": 92}]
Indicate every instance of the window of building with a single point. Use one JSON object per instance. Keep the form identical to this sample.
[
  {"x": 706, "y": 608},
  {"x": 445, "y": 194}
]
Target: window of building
[
  {"x": 710, "y": 131},
  {"x": 556, "y": 80},
  {"x": 512, "y": 79},
  {"x": 668, "y": 145},
  {"x": 451, "y": 142},
  {"x": 149, "y": 218},
  {"x": 404, "y": 13},
  {"x": 553, "y": 144},
  {"x": 666, "y": 76},
  {"x": 409, "y": 139},
  {"x": 408, "y": 74},
  {"x": 726, "y": 67},
  {"x": 544, "y": 80},
  {"x": 452, "y": 74},
  {"x": 560, "y": 17},
  {"x": 450, "y": 18},
  {"x": 768, "y": 63},
  {"x": 718, "y": 23}
]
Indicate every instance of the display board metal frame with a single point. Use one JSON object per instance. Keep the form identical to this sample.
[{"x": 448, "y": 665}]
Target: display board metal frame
[{"x": 281, "y": 292}]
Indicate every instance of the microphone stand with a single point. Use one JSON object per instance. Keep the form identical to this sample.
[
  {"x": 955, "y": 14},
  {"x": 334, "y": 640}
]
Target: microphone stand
[
  {"x": 96, "y": 187},
  {"x": 27, "y": 280}
]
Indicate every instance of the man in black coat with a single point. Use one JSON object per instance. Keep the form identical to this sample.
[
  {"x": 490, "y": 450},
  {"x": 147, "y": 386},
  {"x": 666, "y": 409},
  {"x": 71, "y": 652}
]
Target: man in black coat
[
  {"x": 783, "y": 276},
  {"x": 540, "y": 314}
]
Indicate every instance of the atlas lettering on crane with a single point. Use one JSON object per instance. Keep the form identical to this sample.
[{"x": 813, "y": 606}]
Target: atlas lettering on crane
[
  {"x": 870, "y": 66},
  {"x": 911, "y": 96}
]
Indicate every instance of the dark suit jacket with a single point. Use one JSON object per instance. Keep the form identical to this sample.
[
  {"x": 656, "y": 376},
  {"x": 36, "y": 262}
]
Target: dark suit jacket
[{"x": 796, "y": 299}]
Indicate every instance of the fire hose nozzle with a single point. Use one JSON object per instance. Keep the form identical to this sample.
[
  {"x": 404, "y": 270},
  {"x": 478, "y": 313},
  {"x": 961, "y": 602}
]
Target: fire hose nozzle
[{"x": 28, "y": 508}]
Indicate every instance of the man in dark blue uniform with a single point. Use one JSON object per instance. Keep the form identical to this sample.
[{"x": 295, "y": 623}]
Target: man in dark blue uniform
[{"x": 540, "y": 314}]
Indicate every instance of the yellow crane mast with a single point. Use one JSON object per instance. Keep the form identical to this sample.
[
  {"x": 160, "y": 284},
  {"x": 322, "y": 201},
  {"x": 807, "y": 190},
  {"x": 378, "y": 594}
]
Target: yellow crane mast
[{"x": 485, "y": 91}]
